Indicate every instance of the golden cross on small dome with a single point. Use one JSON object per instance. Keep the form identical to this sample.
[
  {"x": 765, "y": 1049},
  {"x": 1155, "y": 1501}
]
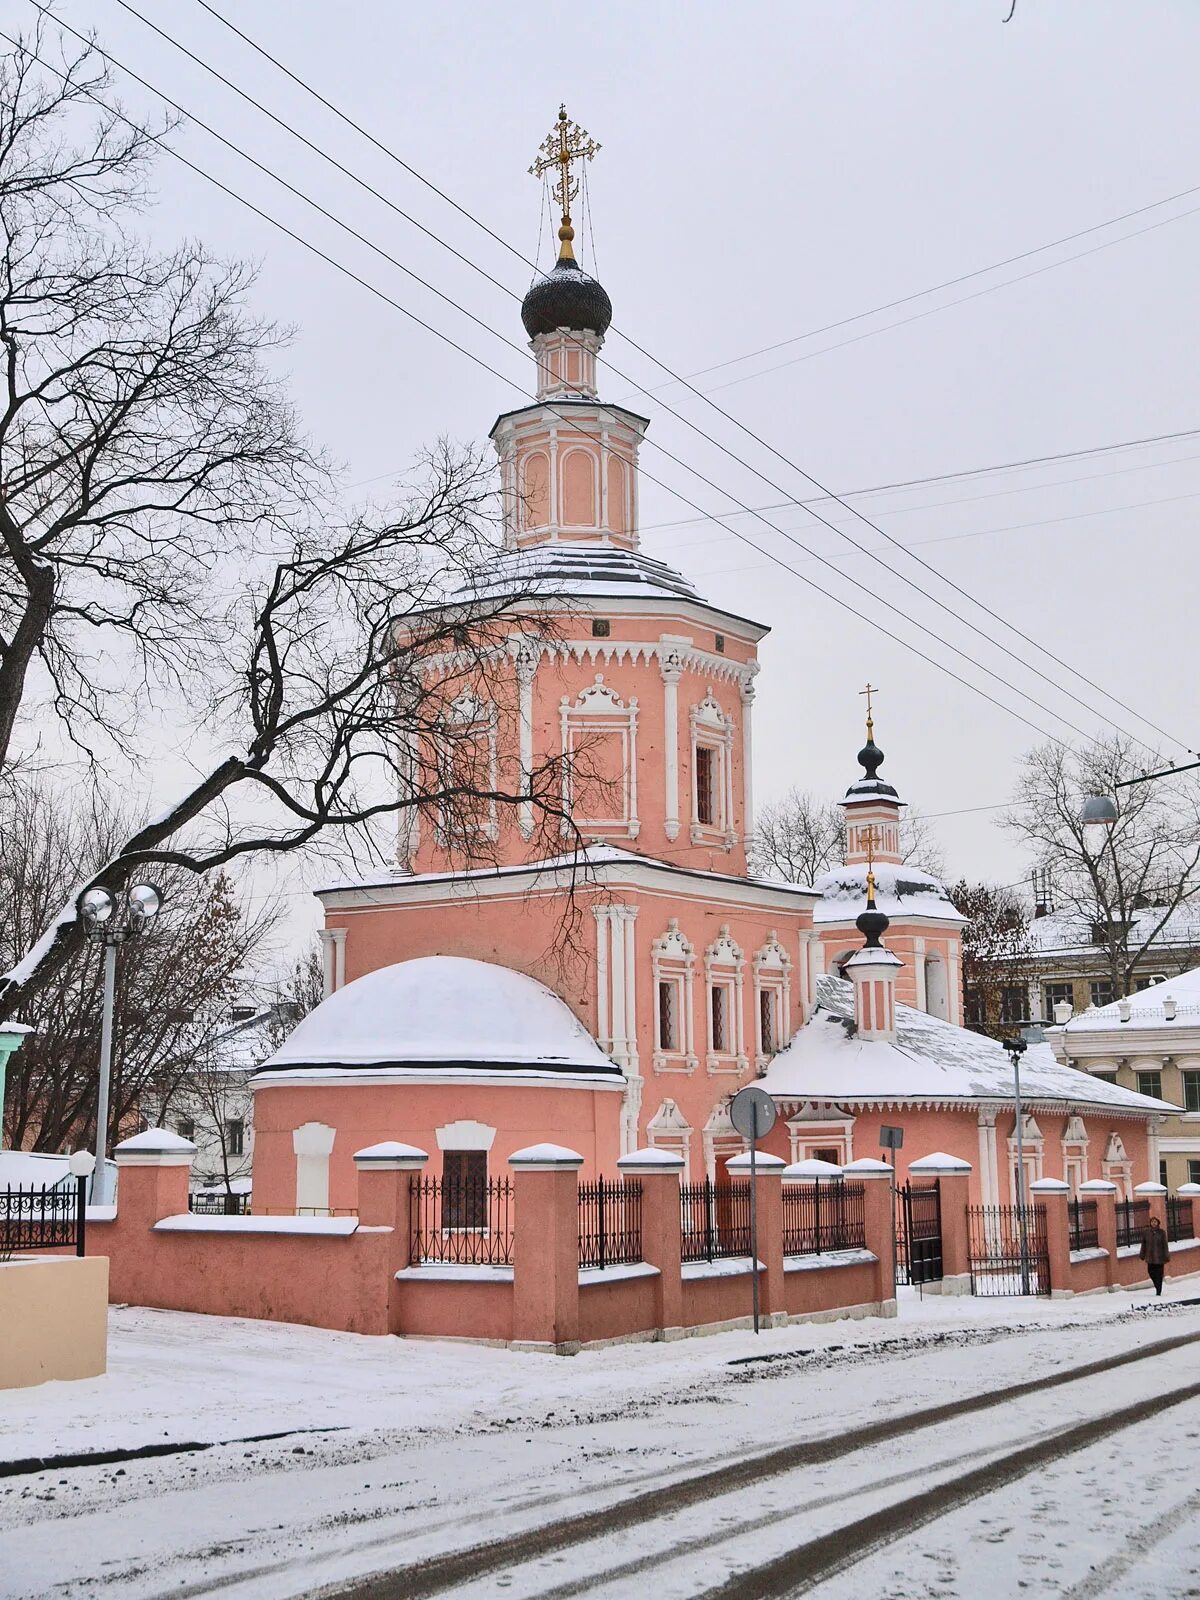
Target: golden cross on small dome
[
  {"x": 566, "y": 142},
  {"x": 871, "y": 841},
  {"x": 869, "y": 691}
]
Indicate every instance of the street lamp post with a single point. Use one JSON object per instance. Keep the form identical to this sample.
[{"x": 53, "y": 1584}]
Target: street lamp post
[
  {"x": 111, "y": 920},
  {"x": 1016, "y": 1049}
]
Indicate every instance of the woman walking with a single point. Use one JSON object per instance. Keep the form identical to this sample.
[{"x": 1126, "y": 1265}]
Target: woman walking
[{"x": 1155, "y": 1252}]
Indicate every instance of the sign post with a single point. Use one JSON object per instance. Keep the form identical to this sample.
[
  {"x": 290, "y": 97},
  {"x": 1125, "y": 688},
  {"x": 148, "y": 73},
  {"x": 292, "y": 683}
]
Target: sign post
[
  {"x": 752, "y": 1112},
  {"x": 892, "y": 1139}
]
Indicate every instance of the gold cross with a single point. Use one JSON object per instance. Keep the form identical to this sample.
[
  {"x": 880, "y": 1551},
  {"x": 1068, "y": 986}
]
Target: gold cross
[
  {"x": 566, "y": 142},
  {"x": 871, "y": 842},
  {"x": 869, "y": 691}
]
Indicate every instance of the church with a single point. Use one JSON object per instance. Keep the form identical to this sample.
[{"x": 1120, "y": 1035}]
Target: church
[{"x": 454, "y": 1019}]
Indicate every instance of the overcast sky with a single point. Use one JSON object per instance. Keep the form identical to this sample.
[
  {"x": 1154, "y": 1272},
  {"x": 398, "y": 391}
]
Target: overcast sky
[{"x": 767, "y": 170}]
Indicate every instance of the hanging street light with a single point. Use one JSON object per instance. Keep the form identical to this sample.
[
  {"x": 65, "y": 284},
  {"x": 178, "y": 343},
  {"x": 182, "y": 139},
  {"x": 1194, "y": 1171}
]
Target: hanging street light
[
  {"x": 1016, "y": 1049},
  {"x": 1098, "y": 811},
  {"x": 112, "y": 920}
]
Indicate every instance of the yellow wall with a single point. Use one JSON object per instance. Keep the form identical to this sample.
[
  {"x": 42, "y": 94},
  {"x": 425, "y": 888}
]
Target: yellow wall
[{"x": 53, "y": 1319}]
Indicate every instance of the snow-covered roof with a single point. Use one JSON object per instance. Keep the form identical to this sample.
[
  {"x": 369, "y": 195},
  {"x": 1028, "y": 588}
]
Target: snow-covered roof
[
  {"x": 590, "y": 857},
  {"x": 1070, "y": 932},
  {"x": 448, "y": 1013},
  {"x": 580, "y": 569},
  {"x": 900, "y": 891},
  {"x": 931, "y": 1060},
  {"x": 1148, "y": 1009}
]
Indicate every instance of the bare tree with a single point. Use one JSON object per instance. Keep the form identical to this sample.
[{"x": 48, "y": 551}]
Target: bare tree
[
  {"x": 375, "y": 666},
  {"x": 801, "y": 836},
  {"x": 997, "y": 955},
  {"x": 142, "y": 438},
  {"x": 1123, "y": 884},
  {"x": 169, "y": 983}
]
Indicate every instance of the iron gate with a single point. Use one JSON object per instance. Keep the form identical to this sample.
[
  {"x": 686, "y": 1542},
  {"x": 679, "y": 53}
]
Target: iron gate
[
  {"x": 999, "y": 1266},
  {"x": 919, "y": 1233}
]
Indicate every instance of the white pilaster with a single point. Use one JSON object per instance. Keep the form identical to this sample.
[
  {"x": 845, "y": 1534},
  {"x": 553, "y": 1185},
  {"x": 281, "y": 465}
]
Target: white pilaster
[
  {"x": 919, "y": 972},
  {"x": 526, "y": 667},
  {"x": 955, "y": 982},
  {"x": 339, "y": 957},
  {"x": 326, "y": 937},
  {"x": 603, "y": 1008},
  {"x": 747, "y": 691},
  {"x": 672, "y": 670}
]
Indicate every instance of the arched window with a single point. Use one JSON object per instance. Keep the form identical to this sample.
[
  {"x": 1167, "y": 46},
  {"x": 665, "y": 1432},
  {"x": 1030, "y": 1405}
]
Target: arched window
[{"x": 536, "y": 491}]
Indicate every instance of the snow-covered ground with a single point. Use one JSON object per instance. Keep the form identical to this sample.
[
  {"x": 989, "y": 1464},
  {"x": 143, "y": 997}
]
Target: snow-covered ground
[{"x": 433, "y": 1446}]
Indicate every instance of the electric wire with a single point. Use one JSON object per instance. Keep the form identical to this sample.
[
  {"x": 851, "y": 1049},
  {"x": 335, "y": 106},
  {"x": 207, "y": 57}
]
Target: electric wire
[
  {"x": 677, "y": 378},
  {"x": 854, "y": 609}
]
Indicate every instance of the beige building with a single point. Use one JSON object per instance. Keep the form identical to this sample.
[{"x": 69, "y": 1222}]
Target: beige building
[{"x": 1151, "y": 1043}]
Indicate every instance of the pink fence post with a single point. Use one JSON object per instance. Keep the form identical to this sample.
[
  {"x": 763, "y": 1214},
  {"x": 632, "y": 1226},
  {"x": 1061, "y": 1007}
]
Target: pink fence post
[
  {"x": 659, "y": 1172},
  {"x": 953, "y": 1179},
  {"x": 876, "y": 1179},
  {"x": 1052, "y": 1195},
  {"x": 1105, "y": 1196},
  {"x": 546, "y": 1248},
  {"x": 153, "y": 1170},
  {"x": 772, "y": 1302},
  {"x": 385, "y": 1196}
]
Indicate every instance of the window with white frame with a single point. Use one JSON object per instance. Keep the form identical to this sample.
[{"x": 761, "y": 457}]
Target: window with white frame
[
  {"x": 673, "y": 967},
  {"x": 469, "y": 769},
  {"x": 723, "y": 965},
  {"x": 772, "y": 983},
  {"x": 599, "y": 747},
  {"x": 712, "y": 771}
]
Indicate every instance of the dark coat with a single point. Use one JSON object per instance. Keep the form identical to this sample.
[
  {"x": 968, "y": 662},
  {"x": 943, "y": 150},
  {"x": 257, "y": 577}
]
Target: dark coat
[{"x": 1155, "y": 1250}]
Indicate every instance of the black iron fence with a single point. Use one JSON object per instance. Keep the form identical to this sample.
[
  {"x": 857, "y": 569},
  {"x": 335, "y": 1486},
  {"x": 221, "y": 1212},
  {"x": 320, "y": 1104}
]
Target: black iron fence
[
  {"x": 463, "y": 1222},
  {"x": 217, "y": 1203},
  {"x": 610, "y": 1222},
  {"x": 919, "y": 1233},
  {"x": 1085, "y": 1229},
  {"x": 823, "y": 1216},
  {"x": 1133, "y": 1218},
  {"x": 42, "y": 1218},
  {"x": 1179, "y": 1218},
  {"x": 715, "y": 1219},
  {"x": 1008, "y": 1250}
]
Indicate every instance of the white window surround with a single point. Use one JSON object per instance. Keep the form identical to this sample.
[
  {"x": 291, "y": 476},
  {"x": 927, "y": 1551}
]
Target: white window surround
[
  {"x": 672, "y": 959},
  {"x": 721, "y": 1140},
  {"x": 1034, "y": 1152},
  {"x": 808, "y": 1134},
  {"x": 474, "y": 718},
  {"x": 669, "y": 1129},
  {"x": 1117, "y": 1167},
  {"x": 772, "y": 976},
  {"x": 465, "y": 1135},
  {"x": 312, "y": 1143},
  {"x": 711, "y": 728},
  {"x": 599, "y": 709},
  {"x": 723, "y": 967}
]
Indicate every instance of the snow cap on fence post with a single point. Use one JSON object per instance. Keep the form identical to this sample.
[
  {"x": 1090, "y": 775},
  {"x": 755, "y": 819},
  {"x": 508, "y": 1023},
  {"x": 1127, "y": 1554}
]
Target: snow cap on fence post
[
  {"x": 545, "y": 1158},
  {"x": 1150, "y": 1188},
  {"x": 867, "y": 1167},
  {"x": 939, "y": 1165},
  {"x": 811, "y": 1171},
  {"x": 153, "y": 1169},
  {"x": 390, "y": 1156},
  {"x": 155, "y": 1147},
  {"x": 651, "y": 1159},
  {"x": 1097, "y": 1186},
  {"x": 1044, "y": 1186},
  {"x": 768, "y": 1165},
  {"x": 1188, "y": 1189}
]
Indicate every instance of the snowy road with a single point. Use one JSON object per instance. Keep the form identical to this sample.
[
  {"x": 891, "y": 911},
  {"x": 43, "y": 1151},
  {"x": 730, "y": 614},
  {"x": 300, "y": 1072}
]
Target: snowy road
[{"x": 588, "y": 1476}]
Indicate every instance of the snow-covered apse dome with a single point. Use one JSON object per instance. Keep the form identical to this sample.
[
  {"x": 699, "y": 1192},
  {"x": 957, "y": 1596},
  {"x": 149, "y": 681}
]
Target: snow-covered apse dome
[{"x": 442, "y": 1016}]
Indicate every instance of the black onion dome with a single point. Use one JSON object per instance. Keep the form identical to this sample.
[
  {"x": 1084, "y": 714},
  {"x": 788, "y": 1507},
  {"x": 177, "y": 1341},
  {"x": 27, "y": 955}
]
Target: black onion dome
[
  {"x": 870, "y": 759},
  {"x": 566, "y": 298},
  {"x": 872, "y": 924}
]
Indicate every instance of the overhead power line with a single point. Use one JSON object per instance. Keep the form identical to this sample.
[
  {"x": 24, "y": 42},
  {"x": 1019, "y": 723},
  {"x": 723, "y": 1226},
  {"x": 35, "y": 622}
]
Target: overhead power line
[
  {"x": 676, "y": 377},
  {"x": 855, "y": 609}
]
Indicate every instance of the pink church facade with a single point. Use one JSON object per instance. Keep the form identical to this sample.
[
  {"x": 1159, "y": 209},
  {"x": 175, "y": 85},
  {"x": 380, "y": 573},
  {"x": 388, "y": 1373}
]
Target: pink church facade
[{"x": 688, "y": 978}]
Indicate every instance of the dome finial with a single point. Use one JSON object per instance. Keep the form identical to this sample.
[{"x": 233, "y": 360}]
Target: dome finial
[
  {"x": 870, "y": 757},
  {"x": 566, "y": 142},
  {"x": 871, "y": 923}
]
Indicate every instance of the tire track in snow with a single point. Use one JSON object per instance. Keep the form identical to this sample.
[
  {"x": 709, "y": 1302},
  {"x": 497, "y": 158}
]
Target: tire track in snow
[
  {"x": 1101, "y": 1579},
  {"x": 802, "y": 1568},
  {"x": 441, "y": 1573}
]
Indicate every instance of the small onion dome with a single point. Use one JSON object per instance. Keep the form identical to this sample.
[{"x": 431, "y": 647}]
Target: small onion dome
[
  {"x": 870, "y": 759},
  {"x": 872, "y": 924},
  {"x": 566, "y": 298}
]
